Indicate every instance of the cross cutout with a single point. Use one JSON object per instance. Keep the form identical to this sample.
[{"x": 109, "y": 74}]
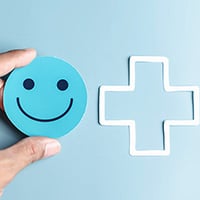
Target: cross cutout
[{"x": 131, "y": 123}]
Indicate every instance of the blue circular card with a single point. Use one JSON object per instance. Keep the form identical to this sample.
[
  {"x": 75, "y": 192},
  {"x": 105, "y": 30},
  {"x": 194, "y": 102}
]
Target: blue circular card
[{"x": 45, "y": 98}]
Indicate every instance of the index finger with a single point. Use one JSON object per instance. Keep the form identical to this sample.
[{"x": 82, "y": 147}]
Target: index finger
[{"x": 15, "y": 58}]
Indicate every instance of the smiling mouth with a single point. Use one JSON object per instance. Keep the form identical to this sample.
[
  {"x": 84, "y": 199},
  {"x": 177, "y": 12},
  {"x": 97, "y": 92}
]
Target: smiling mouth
[{"x": 44, "y": 120}]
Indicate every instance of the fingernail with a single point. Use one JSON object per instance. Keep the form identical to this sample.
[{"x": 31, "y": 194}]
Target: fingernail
[
  {"x": 52, "y": 148},
  {"x": 30, "y": 51}
]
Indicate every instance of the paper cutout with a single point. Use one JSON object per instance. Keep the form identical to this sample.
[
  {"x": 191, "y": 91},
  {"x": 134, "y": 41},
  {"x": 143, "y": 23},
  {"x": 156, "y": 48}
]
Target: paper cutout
[
  {"x": 131, "y": 123},
  {"x": 47, "y": 98}
]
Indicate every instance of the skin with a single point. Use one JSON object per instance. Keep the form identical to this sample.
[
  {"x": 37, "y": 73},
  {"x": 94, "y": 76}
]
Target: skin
[{"x": 28, "y": 150}]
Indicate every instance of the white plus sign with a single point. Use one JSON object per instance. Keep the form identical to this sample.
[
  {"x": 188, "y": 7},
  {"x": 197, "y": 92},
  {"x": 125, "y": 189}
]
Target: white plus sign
[{"x": 131, "y": 123}]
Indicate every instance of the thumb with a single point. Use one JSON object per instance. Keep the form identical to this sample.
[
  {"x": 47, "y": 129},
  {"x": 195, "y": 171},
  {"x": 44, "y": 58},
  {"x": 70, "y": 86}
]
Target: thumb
[{"x": 25, "y": 152}]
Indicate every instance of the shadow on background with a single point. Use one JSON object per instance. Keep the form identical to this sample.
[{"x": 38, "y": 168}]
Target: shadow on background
[{"x": 9, "y": 135}]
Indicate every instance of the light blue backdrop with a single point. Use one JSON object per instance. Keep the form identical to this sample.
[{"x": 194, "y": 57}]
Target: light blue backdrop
[{"x": 97, "y": 37}]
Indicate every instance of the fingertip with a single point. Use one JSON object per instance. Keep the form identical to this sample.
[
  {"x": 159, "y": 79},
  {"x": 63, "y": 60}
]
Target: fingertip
[
  {"x": 52, "y": 148},
  {"x": 31, "y": 51},
  {"x": 28, "y": 55},
  {"x": 15, "y": 58},
  {"x": 22, "y": 57}
]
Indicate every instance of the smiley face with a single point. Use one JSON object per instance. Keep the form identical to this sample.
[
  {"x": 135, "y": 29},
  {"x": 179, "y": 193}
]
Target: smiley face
[{"x": 47, "y": 97}]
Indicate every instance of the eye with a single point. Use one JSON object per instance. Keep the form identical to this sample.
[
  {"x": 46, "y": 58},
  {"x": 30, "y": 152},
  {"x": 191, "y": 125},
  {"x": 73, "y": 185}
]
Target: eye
[
  {"x": 28, "y": 84},
  {"x": 62, "y": 84}
]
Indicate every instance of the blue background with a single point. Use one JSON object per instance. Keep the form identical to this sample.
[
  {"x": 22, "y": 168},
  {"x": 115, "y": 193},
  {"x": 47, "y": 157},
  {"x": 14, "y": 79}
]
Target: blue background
[{"x": 97, "y": 37}]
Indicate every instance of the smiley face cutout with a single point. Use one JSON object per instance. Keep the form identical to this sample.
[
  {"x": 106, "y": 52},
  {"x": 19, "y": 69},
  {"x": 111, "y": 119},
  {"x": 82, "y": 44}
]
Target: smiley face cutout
[{"x": 45, "y": 98}]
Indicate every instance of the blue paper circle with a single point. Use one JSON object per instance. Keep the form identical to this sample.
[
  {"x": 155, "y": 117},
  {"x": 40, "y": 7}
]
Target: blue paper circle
[{"x": 46, "y": 98}]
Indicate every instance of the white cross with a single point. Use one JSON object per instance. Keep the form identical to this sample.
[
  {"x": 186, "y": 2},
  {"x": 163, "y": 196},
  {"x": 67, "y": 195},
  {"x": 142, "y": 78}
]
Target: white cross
[{"x": 131, "y": 123}]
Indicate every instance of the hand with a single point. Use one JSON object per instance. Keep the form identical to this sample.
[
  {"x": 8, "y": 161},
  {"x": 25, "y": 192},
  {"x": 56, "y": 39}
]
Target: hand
[{"x": 28, "y": 150}]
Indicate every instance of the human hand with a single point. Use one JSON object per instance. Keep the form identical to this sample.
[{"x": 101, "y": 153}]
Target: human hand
[{"x": 28, "y": 150}]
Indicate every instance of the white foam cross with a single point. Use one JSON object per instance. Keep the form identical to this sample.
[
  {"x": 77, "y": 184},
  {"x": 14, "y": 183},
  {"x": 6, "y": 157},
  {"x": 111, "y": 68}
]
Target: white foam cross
[{"x": 131, "y": 123}]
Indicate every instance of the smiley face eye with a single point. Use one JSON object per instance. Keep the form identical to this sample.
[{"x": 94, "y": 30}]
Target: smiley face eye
[
  {"x": 28, "y": 84},
  {"x": 62, "y": 84}
]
